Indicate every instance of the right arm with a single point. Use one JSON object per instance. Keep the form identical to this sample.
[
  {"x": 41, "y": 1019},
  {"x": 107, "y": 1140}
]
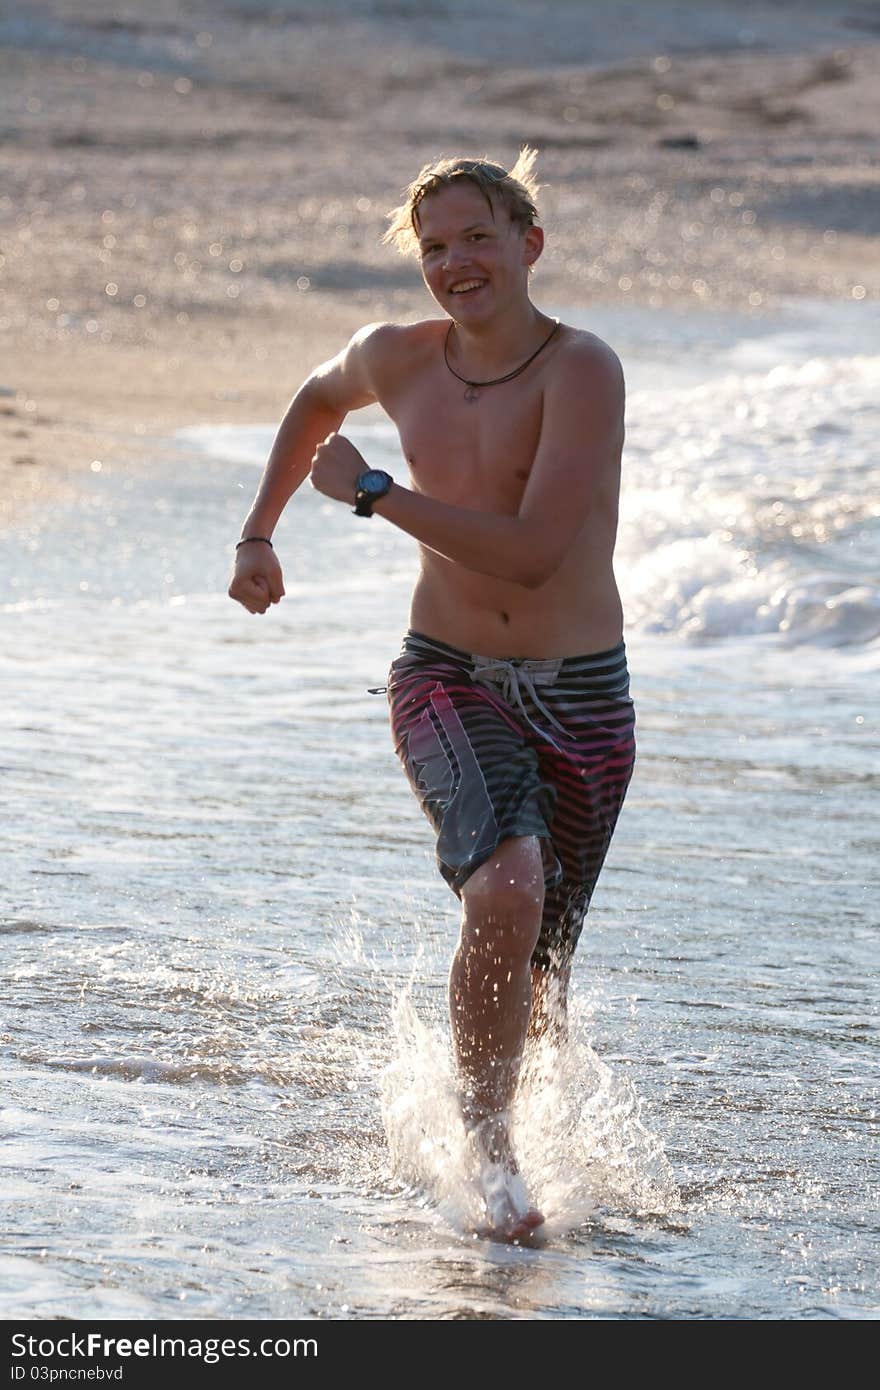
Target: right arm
[{"x": 318, "y": 409}]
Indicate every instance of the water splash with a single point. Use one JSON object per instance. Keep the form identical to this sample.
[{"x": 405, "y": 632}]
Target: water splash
[{"x": 576, "y": 1127}]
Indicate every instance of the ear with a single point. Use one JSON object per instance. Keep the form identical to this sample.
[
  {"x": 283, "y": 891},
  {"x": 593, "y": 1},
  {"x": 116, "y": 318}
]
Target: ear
[{"x": 533, "y": 244}]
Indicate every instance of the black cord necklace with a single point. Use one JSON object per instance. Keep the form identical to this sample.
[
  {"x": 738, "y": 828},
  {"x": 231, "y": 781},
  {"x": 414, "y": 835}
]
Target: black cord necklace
[{"x": 473, "y": 387}]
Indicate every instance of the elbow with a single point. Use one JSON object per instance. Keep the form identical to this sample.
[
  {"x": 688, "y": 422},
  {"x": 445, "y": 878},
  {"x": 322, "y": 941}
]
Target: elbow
[
  {"x": 538, "y": 558},
  {"x": 537, "y": 570},
  {"x": 532, "y": 579}
]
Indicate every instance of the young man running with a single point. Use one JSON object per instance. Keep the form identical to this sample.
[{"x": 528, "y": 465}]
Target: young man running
[{"x": 509, "y": 702}]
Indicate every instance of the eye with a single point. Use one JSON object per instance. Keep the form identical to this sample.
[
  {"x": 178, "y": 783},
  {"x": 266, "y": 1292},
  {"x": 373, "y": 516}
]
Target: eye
[{"x": 477, "y": 236}]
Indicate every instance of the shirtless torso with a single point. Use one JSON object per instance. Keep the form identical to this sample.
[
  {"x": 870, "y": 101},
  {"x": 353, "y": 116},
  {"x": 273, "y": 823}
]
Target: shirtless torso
[
  {"x": 538, "y": 456},
  {"x": 479, "y": 455}
]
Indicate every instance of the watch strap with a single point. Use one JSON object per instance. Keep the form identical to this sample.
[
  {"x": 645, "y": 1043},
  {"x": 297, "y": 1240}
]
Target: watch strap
[{"x": 364, "y": 498}]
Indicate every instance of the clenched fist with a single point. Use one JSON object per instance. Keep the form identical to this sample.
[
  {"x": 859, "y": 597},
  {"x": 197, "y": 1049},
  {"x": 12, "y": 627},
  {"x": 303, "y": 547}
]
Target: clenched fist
[
  {"x": 256, "y": 581},
  {"x": 336, "y": 467}
]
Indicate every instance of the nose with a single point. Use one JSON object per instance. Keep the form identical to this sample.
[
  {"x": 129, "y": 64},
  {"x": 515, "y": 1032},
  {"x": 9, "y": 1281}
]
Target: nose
[{"x": 455, "y": 257}]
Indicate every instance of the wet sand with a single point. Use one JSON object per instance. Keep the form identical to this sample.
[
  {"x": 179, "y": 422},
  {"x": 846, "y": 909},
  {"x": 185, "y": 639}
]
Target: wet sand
[{"x": 194, "y": 201}]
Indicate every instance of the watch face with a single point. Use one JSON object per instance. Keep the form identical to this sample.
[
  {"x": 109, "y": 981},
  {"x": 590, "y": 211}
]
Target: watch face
[{"x": 372, "y": 481}]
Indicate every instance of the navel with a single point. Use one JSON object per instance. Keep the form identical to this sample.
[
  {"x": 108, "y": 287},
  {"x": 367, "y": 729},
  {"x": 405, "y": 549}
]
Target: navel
[{"x": 505, "y": 617}]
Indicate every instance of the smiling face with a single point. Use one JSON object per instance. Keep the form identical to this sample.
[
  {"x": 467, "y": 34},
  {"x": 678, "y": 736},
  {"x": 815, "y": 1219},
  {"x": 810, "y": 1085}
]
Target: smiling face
[{"x": 474, "y": 263}]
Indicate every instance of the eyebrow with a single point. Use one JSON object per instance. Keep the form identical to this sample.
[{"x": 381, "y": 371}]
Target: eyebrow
[{"x": 464, "y": 231}]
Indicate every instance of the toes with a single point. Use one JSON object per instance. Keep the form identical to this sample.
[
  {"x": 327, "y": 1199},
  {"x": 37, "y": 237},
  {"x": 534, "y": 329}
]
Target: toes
[
  {"x": 519, "y": 1228},
  {"x": 525, "y": 1225},
  {"x": 525, "y": 1231}
]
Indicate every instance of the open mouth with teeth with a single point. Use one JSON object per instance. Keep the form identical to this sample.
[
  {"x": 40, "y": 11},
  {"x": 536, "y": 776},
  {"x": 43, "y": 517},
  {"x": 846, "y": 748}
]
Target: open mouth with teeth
[{"x": 464, "y": 288}]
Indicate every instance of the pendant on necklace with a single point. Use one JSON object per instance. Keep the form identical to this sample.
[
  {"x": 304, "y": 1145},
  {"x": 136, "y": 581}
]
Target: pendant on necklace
[{"x": 471, "y": 394}]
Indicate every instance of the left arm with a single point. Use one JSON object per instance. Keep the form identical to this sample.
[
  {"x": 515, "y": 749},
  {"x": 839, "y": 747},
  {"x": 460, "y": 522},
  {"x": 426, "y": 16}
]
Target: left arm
[{"x": 581, "y": 430}]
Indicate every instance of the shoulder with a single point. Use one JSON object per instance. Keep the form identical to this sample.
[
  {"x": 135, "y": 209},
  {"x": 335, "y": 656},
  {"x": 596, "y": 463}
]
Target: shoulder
[
  {"x": 361, "y": 371},
  {"x": 386, "y": 338},
  {"x": 582, "y": 357},
  {"x": 584, "y": 390},
  {"x": 388, "y": 345},
  {"x": 388, "y": 352},
  {"x": 583, "y": 397}
]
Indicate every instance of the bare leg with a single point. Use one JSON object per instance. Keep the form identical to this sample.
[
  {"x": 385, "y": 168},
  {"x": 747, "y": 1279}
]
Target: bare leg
[
  {"x": 490, "y": 998},
  {"x": 549, "y": 1004}
]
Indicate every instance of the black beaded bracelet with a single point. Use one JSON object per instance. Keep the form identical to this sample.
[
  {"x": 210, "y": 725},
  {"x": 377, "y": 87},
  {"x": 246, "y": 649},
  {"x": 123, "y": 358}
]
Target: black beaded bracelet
[{"x": 244, "y": 540}]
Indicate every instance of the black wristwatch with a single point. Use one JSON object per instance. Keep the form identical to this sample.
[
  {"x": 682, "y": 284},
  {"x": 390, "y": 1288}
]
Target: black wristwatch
[{"x": 370, "y": 486}]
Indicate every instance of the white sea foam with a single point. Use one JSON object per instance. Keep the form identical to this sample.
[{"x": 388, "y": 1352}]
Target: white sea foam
[{"x": 750, "y": 505}]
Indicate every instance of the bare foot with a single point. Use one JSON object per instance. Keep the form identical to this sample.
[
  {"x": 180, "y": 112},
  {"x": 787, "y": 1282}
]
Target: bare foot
[{"x": 509, "y": 1214}]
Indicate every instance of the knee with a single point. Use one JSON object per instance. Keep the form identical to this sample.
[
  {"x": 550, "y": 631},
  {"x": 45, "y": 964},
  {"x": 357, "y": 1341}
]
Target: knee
[{"x": 504, "y": 901}]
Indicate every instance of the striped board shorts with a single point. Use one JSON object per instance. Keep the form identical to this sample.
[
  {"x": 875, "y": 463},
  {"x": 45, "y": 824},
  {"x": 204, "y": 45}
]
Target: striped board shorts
[{"x": 497, "y": 748}]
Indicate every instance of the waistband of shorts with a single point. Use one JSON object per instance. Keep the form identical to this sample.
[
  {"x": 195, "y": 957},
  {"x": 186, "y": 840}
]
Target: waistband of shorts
[{"x": 610, "y": 663}]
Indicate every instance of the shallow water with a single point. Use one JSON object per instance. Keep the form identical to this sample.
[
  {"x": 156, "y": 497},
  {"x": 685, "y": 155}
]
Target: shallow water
[{"x": 226, "y": 1081}]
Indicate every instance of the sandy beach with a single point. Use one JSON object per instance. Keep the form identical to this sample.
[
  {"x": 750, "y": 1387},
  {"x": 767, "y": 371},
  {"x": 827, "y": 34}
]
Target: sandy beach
[
  {"x": 193, "y": 202},
  {"x": 228, "y": 1086}
]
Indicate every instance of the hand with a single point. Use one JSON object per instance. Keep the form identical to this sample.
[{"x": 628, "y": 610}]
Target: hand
[
  {"x": 257, "y": 581},
  {"x": 336, "y": 467}
]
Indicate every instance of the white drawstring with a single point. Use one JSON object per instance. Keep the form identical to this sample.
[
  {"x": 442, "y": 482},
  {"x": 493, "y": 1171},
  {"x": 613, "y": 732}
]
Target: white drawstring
[{"x": 530, "y": 673}]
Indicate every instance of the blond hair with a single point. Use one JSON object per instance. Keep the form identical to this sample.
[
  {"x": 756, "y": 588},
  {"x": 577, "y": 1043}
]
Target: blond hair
[{"x": 516, "y": 191}]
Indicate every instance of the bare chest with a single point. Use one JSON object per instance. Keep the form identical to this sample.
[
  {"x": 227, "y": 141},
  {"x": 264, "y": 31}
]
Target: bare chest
[{"x": 469, "y": 453}]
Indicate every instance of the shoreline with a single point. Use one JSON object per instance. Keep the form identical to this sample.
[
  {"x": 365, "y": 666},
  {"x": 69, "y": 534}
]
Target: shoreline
[
  {"x": 50, "y": 438},
  {"x": 184, "y": 239}
]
